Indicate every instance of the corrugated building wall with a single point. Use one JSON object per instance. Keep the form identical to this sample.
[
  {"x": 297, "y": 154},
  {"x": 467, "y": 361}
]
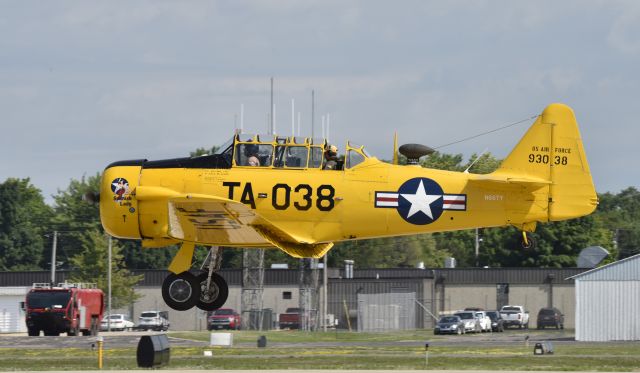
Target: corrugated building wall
[{"x": 607, "y": 302}]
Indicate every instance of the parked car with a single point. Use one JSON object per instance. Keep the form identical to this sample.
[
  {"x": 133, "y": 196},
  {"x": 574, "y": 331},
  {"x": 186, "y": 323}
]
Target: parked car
[
  {"x": 515, "y": 315},
  {"x": 449, "y": 324},
  {"x": 497, "y": 323},
  {"x": 118, "y": 321},
  {"x": 223, "y": 318},
  {"x": 484, "y": 321},
  {"x": 154, "y": 320},
  {"x": 550, "y": 317},
  {"x": 471, "y": 323}
]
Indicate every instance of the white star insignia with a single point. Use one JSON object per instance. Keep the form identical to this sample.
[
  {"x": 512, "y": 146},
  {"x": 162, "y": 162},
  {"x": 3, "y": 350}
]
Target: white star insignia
[{"x": 421, "y": 201}]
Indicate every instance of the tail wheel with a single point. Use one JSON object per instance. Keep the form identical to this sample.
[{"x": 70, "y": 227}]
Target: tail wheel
[
  {"x": 528, "y": 241},
  {"x": 181, "y": 292},
  {"x": 215, "y": 295}
]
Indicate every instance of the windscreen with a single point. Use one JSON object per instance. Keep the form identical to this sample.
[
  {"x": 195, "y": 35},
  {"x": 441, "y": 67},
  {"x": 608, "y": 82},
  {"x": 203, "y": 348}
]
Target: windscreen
[
  {"x": 465, "y": 315},
  {"x": 223, "y": 312},
  {"x": 149, "y": 314},
  {"x": 449, "y": 319},
  {"x": 50, "y": 299}
]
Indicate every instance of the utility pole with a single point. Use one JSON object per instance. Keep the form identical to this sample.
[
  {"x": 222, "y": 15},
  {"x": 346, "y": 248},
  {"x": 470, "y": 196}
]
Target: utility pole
[
  {"x": 273, "y": 130},
  {"x": 53, "y": 258},
  {"x": 477, "y": 248},
  {"x": 313, "y": 112},
  {"x": 109, "y": 284},
  {"x": 324, "y": 292}
]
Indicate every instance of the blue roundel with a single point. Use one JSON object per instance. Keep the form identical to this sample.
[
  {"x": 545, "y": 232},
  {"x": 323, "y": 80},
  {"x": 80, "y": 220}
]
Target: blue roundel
[{"x": 420, "y": 201}]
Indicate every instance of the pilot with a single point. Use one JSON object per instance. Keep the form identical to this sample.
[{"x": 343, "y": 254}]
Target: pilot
[
  {"x": 330, "y": 158},
  {"x": 251, "y": 152}
]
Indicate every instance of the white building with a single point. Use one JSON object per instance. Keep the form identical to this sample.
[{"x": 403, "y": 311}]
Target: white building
[
  {"x": 11, "y": 313},
  {"x": 608, "y": 301}
]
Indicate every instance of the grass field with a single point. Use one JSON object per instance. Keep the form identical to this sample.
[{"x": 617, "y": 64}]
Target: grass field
[{"x": 342, "y": 351}]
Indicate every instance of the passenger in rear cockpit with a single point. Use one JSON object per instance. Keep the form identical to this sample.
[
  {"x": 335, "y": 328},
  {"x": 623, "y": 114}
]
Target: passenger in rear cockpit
[{"x": 330, "y": 158}]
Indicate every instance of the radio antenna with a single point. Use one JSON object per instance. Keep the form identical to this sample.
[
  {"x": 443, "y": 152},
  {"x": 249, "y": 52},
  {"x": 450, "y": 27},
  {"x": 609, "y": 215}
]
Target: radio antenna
[{"x": 475, "y": 160}]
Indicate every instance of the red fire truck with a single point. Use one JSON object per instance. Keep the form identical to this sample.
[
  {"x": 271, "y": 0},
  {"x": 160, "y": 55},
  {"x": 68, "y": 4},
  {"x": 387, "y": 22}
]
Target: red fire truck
[{"x": 66, "y": 308}]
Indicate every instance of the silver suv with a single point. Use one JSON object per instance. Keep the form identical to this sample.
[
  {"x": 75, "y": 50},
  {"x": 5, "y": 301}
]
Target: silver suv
[{"x": 154, "y": 320}]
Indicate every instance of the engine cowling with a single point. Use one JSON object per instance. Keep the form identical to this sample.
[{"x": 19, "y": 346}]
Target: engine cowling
[{"x": 118, "y": 205}]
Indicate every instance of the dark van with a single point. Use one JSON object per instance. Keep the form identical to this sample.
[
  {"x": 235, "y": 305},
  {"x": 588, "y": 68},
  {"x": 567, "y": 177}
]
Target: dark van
[{"x": 550, "y": 317}]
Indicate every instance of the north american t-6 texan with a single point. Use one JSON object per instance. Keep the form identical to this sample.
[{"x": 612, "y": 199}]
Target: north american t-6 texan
[{"x": 294, "y": 194}]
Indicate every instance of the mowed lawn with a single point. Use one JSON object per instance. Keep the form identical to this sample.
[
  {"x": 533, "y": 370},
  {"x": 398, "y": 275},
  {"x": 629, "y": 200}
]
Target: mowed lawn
[{"x": 302, "y": 350}]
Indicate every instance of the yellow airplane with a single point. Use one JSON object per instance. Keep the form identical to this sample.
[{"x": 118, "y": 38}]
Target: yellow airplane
[{"x": 267, "y": 191}]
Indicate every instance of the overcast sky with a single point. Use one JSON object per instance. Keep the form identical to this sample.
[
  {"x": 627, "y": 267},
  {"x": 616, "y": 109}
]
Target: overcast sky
[{"x": 86, "y": 83}]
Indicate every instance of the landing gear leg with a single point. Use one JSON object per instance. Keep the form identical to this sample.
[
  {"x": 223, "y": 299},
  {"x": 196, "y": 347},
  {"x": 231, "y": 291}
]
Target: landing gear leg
[
  {"x": 213, "y": 288},
  {"x": 528, "y": 241}
]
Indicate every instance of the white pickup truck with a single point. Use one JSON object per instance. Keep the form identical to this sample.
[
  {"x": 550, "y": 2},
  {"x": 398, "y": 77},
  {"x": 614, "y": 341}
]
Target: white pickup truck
[{"x": 515, "y": 315}]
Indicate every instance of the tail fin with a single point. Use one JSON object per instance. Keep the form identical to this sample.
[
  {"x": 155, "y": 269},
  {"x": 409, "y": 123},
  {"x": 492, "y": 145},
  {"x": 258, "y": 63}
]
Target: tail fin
[{"x": 552, "y": 150}]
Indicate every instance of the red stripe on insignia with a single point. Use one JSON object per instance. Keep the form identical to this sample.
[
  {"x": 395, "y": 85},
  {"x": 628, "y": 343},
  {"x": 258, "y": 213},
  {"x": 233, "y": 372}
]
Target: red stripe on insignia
[
  {"x": 386, "y": 199},
  {"x": 453, "y": 202}
]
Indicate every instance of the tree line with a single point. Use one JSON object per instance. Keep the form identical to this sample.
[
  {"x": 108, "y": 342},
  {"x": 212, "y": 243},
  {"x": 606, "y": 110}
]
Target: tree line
[{"x": 27, "y": 224}]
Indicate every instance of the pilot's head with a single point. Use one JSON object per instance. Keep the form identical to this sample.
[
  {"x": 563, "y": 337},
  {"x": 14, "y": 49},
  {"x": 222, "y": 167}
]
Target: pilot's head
[
  {"x": 250, "y": 150},
  {"x": 331, "y": 151}
]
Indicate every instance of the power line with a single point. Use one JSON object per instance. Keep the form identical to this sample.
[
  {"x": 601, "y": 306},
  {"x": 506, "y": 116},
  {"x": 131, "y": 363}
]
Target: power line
[{"x": 487, "y": 132}]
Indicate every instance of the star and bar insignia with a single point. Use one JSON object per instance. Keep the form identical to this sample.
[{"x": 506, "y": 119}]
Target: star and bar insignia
[{"x": 421, "y": 201}]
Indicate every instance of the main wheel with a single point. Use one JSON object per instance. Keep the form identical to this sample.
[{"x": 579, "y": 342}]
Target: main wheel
[
  {"x": 216, "y": 295},
  {"x": 74, "y": 331},
  {"x": 181, "y": 292}
]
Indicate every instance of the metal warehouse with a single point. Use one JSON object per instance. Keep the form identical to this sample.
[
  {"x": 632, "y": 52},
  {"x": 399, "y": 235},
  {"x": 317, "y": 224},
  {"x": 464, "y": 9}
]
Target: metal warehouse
[
  {"x": 607, "y": 302},
  {"x": 364, "y": 299}
]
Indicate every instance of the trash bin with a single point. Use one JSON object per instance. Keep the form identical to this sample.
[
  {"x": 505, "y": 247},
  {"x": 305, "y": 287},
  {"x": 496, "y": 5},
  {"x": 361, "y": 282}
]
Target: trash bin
[
  {"x": 153, "y": 351},
  {"x": 262, "y": 341}
]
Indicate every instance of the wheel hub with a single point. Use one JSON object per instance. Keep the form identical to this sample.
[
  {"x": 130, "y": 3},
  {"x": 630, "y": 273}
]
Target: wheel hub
[{"x": 180, "y": 290}]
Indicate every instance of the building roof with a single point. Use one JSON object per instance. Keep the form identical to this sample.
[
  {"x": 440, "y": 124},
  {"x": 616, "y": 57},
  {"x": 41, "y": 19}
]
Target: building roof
[
  {"x": 627, "y": 269},
  {"x": 275, "y": 277}
]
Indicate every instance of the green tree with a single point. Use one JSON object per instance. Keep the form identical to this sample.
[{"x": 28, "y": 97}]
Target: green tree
[
  {"x": 202, "y": 151},
  {"x": 91, "y": 265},
  {"x": 620, "y": 213},
  {"x": 24, "y": 220},
  {"x": 74, "y": 216}
]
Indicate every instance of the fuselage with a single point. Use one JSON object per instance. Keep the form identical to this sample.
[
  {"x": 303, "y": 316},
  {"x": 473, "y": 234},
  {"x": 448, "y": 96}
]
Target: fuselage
[{"x": 372, "y": 199}]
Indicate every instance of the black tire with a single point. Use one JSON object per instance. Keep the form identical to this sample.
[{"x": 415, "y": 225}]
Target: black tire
[
  {"x": 557, "y": 326},
  {"x": 180, "y": 292},
  {"x": 561, "y": 326},
  {"x": 73, "y": 332},
  {"x": 51, "y": 334},
  {"x": 95, "y": 327},
  {"x": 33, "y": 332},
  {"x": 436, "y": 332},
  {"x": 531, "y": 242},
  {"x": 217, "y": 294}
]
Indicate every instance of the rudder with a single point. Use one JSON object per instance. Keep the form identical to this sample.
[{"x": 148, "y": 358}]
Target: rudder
[{"x": 552, "y": 150}]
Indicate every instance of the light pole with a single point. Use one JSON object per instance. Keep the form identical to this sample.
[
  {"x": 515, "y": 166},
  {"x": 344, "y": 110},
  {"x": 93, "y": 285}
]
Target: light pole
[{"x": 109, "y": 286}]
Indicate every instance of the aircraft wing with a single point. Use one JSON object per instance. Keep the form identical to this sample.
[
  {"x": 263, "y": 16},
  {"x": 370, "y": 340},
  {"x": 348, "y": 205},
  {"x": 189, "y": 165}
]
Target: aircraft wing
[{"x": 210, "y": 220}]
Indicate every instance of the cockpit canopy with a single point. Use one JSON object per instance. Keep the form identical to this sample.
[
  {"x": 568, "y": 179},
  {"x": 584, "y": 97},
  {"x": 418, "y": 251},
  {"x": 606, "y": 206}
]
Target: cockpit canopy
[{"x": 250, "y": 150}]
